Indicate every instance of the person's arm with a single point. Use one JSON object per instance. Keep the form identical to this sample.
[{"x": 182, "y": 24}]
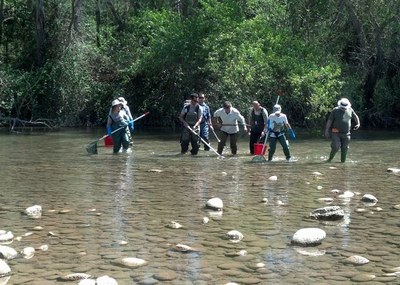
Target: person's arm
[
  {"x": 356, "y": 120},
  {"x": 199, "y": 118},
  {"x": 328, "y": 128},
  {"x": 109, "y": 122},
  {"x": 242, "y": 120},
  {"x": 182, "y": 118},
  {"x": 209, "y": 122}
]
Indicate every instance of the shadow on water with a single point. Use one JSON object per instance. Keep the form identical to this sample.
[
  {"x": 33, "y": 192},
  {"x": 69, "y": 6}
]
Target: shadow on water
[{"x": 98, "y": 209}]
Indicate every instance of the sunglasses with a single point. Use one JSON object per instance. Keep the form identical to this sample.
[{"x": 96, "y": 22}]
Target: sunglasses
[{"x": 201, "y": 97}]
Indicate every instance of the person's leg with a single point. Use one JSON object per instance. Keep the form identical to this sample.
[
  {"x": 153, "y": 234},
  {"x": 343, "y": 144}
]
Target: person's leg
[
  {"x": 204, "y": 134},
  {"x": 117, "y": 140},
  {"x": 223, "y": 137},
  {"x": 185, "y": 137},
  {"x": 195, "y": 142},
  {"x": 272, "y": 147},
  {"x": 283, "y": 142},
  {"x": 125, "y": 141},
  {"x": 335, "y": 145},
  {"x": 233, "y": 142},
  {"x": 254, "y": 136},
  {"x": 345, "y": 140}
]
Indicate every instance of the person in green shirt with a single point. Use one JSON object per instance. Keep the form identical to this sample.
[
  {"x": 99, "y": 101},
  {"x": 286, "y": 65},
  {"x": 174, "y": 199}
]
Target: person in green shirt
[{"x": 338, "y": 128}]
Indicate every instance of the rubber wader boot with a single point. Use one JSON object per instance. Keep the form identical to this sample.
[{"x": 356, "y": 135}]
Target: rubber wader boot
[
  {"x": 343, "y": 155},
  {"x": 331, "y": 156}
]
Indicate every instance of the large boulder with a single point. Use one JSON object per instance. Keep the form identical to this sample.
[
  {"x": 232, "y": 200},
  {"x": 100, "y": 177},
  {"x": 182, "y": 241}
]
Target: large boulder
[
  {"x": 329, "y": 213},
  {"x": 308, "y": 237}
]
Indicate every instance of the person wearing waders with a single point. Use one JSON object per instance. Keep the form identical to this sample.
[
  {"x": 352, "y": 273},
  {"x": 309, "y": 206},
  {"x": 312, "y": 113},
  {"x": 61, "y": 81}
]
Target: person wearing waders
[
  {"x": 205, "y": 124},
  {"x": 229, "y": 118},
  {"x": 258, "y": 119},
  {"x": 190, "y": 117},
  {"x": 338, "y": 128},
  {"x": 131, "y": 125},
  {"x": 277, "y": 124},
  {"x": 118, "y": 119}
]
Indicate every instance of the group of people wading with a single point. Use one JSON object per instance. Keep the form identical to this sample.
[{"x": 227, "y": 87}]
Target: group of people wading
[
  {"x": 197, "y": 122},
  {"x": 195, "y": 117}
]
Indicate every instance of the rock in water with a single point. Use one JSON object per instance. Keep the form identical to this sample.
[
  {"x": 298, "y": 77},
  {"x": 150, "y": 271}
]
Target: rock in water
[
  {"x": 368, "y": 198},
  {"x": 234, "y": 236},
  {"x": 7, "y": 252},
  {"x": 34, "y": 211},
  {"x": 330, "y": 213},
  {"x": 309, "y": 237},
  {"x": 75, "y": 276},
  {"x": 215, "y": 204},
  {"x": 4, "y": 268},
  {"x": 106, "y": 280},
  {"x": 357, "y": 259},
  {"x": 133, "y": 262},
  {"x": 6, "y": 237}
]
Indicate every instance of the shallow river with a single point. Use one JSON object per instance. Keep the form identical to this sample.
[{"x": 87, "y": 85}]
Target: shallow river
[{"x": 101, "y": 208}]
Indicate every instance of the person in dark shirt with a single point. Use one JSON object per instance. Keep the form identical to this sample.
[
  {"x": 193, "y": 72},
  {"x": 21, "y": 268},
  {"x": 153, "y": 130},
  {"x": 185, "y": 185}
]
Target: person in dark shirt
[{"x": 338, "y": 128}]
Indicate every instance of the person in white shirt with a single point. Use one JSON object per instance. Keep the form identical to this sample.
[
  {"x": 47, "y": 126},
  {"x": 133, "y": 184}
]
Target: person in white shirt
[
  {"x": 228, "y": 118},
  {"x": 278, "y": 123}
]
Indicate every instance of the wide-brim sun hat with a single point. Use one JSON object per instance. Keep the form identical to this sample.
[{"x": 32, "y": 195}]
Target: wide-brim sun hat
[
  {"x": 122, "y": 100},
  {"x": 344, "y": 103},
  {"x": 115, "y": 103},
  {"x": 277, "y": 109}
]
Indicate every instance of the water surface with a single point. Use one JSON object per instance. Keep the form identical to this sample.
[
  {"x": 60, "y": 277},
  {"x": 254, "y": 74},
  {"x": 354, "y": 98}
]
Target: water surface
[{"x": 92, "y": 203}]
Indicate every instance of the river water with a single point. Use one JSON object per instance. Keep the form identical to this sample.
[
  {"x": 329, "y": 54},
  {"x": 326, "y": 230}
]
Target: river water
[{"x": 98, "y": 209}]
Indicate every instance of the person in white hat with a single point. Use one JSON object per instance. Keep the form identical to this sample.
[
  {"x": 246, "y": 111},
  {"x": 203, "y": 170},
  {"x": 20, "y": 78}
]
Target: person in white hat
[
  {"x": 277, "y": 124},
  {"x": 118, "y": 120},
  {"x": 338, "y": 128}
]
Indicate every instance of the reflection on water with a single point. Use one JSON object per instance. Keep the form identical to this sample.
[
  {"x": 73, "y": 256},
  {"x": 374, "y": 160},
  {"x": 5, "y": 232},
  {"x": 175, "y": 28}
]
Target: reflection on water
[{"x": 102, "y": 208}]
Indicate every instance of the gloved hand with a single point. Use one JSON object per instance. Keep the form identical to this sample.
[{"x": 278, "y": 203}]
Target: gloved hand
[
  {"x": 292, "y": 134},
  {"x": 109, "y": 131},
  {"x": 131, "y": 125}
]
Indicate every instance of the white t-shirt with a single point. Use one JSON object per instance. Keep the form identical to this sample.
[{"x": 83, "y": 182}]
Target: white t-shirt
[
  {"x": 277, "y": 124},
  {"x": 231, "y": 119}
]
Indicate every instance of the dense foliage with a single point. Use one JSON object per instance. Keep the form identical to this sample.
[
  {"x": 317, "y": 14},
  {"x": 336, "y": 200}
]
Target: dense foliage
[{"x": 68, "y": 60}]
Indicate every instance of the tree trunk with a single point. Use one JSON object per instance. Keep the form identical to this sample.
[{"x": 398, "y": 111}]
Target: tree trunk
[
  {"x": 75, "y": 17},
  {"x": 40, "y": 34},
  {"x": 117, "y": 18},
  {"x": 98, "y": 22},
  {"x": 1, "y": 21}
]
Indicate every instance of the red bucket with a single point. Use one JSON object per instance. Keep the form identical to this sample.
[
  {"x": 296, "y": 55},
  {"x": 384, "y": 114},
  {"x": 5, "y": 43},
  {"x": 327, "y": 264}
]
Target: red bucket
[
  {"x": 108, "y": 141},
  {"x": 258, "y": 147}
]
